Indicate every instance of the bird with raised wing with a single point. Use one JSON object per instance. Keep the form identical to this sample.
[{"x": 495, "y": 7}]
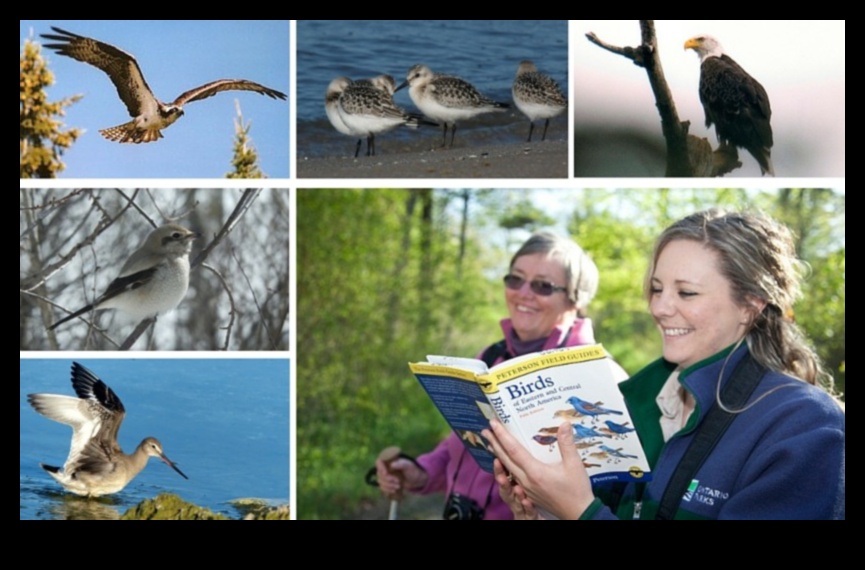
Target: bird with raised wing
[
  {"x": 152, "y": 281},
  {"x": 149, "y": 115},
  {"x": 96, "y": 465}
]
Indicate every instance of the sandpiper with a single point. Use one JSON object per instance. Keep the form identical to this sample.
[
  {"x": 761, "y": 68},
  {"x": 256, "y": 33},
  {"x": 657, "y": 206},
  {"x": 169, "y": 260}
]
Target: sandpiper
[
  {"x": 537, "y": 96},
  {"x": 365, "y": 108},
  {"x": 446, "y": 99},
  {"x": 96, "y": 465}
]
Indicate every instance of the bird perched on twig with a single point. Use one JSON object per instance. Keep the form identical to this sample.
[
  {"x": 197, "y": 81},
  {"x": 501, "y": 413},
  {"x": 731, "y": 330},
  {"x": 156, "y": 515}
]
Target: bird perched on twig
[
  {"x": 153, "y": 280},
  {"x": 734, "y": 102}
]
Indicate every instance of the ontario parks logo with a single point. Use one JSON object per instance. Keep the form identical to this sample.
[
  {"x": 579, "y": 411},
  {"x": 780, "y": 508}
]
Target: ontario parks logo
[{"x": 702, "y": 494}]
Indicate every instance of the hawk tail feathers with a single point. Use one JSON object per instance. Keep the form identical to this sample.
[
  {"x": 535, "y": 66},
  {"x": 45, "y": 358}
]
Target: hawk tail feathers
[{"x": 129, "y": 133}]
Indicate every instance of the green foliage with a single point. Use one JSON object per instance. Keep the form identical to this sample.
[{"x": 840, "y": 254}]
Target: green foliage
[
  {"x": 245, "y": 158},
  {"x": 387, "y": 276},
  {"x": 379, "y": 285},
  {"x": 42, "y": 140}
]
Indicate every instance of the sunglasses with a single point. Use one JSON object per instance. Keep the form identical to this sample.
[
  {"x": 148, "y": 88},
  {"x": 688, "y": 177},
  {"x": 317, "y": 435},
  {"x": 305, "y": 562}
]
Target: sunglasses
[{"x": 538, "y": 287}]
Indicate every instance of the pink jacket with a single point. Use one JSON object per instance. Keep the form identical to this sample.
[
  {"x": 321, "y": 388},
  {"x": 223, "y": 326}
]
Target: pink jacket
[{"x": 452, "y": 470}]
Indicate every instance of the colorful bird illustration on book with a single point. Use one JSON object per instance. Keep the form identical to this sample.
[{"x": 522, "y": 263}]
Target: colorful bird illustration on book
[
  {"x": 617, "y": 453},
  {"x": 590, "y": 409},
  {"x": 473, "y": 438},
  {"x": 548, "y": 440},
  {"x": 568, "y": 415},
  {"x": 600, "y": 455},
  {"x": 620, "y": 430},
  {"x": 582, "y": 432}
]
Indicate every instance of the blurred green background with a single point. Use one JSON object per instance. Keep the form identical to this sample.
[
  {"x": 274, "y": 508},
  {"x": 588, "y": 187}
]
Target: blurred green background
[{"x": 387, "y": 276}]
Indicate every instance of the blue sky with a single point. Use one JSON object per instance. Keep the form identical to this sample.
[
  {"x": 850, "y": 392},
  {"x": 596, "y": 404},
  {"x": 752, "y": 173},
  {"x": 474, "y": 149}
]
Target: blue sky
[{"x": 175, "y": 55}]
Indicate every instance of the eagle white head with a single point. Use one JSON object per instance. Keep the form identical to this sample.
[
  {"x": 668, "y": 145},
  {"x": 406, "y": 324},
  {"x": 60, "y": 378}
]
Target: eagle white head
[{"x": 705, "y": 46}]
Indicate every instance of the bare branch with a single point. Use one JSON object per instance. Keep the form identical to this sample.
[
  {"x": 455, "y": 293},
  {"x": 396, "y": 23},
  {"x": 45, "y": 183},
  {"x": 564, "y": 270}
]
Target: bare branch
[
  {"x": 246, "y": 200},
  {"x": 139, "y": 330},
  {"x": 232, "y": 311},
  {"x": 53, "y": 268},
  {"x": 261, "y": 319},
  {"x": 634, "y": 54},
  {"x": 675, "y": 131}
]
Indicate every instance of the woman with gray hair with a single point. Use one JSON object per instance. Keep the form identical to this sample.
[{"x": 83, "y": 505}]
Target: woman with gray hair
[
  {"x": 733, "y": 417},
  {"x": 549, "y": 285}
]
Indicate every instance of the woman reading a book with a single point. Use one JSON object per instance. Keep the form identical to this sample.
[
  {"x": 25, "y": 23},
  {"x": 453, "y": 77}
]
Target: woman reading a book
[
  {"x": 547, "y": 289},
  {"x": 721, "y": 288}
]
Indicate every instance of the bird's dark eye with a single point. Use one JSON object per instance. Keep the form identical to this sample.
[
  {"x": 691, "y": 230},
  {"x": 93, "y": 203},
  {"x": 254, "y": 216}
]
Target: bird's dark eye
[{"x": 176, "y": 235}]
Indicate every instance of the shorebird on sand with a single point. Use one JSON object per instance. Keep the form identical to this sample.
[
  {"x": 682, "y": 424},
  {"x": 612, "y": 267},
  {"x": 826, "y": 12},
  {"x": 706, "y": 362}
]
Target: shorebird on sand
[{"x": 446, "y": 99}]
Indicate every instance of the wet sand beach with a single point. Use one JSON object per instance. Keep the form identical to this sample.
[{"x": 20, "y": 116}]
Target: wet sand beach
[{"x": 548, "y": 159}]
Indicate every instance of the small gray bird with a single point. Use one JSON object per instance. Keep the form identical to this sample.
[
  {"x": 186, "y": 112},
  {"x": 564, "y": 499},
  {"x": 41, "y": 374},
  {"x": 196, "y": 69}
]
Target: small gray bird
[{"x": 153, "y": 280}]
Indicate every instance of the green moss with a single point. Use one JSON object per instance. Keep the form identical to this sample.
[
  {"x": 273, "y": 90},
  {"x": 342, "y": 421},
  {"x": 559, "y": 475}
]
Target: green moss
[{"x": 167, "y": 506}]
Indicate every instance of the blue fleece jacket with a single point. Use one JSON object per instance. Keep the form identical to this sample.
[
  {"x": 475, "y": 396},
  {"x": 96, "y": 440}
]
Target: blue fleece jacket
[{"x": 784, "y": 458}]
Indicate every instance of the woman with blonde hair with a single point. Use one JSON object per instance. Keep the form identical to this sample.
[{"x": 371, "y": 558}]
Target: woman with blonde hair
[{"x": 734, "y": 417}]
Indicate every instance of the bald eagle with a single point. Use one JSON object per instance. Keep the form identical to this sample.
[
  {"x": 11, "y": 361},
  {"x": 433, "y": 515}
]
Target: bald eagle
[{"x": 734, "y": 102}]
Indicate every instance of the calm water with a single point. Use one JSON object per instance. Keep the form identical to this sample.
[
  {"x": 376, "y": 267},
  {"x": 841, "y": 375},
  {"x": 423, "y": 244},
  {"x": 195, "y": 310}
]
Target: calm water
[
  {"x": 483, "y": 52},
  {"x": 225, "y": 423}
]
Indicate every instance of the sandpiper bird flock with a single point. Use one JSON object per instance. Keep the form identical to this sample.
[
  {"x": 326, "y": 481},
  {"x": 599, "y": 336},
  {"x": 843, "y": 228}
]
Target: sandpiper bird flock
[
  {"x": 365, "y": 107},
  {"x": 537, "y": 95},
  {"x": 96, "y": 465}
]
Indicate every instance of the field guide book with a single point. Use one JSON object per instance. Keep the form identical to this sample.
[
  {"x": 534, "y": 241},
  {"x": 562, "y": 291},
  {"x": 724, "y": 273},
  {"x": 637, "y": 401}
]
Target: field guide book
[{"x": 531, "y": 396}]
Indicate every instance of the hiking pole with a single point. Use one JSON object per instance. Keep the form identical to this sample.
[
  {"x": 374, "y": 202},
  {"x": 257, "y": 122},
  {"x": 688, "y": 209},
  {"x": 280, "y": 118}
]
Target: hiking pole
[{"x": 388, "y": 455}]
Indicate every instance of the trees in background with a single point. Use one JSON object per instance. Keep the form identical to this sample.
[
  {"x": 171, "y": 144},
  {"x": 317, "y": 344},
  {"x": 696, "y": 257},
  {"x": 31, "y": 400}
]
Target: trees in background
[
  {"x": 73, "y": 242},
  {"x": 387, "y": 276},
  {"x": 42, "y": 138}
]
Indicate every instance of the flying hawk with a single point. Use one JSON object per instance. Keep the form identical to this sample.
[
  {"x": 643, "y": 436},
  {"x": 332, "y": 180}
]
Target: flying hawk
[{"x": 149, "y": 115}]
